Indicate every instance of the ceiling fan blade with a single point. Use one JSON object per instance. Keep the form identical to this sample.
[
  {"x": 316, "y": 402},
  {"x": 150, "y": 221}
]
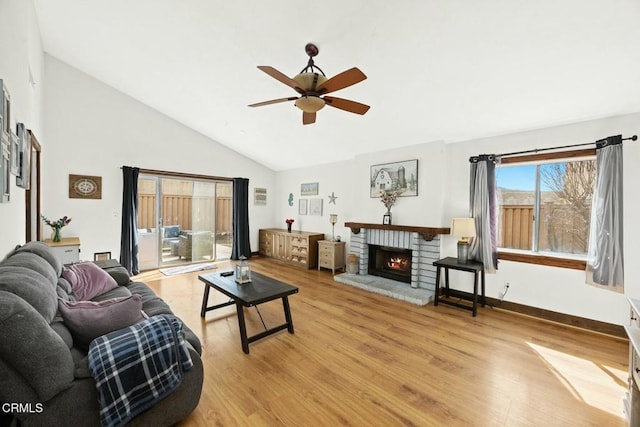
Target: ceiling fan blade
[
  {"x": 273, "y": 101},
  {"x": 282, "y": 78},
  {"x": 308, "y": 118},
  {"x": 346, "y": 105},
  {"x": 342, "y": 80}
]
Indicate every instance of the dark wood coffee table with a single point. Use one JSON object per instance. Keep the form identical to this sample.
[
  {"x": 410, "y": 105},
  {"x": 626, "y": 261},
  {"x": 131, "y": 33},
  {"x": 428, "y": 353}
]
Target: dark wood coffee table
[{"x": 261, "y": 289}]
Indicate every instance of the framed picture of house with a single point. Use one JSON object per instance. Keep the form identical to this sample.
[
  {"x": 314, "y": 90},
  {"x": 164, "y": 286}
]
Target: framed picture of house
[
  {"x": 309, "y": 189},
  {"x": 24, "y": 157},
  {"x": 315, "y": 207},
  {"x": 302, "y": 206},
  {"x": 396, "y": 176}
]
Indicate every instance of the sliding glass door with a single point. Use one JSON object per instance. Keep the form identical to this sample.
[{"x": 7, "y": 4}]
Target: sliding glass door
[{"x": 183, "y": 220}]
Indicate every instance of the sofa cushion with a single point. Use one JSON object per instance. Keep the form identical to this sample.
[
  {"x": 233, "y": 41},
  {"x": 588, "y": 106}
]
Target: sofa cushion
[
  {"x": 171, "y": 231},
  {"x": 120, "y": 291},
  {"x": 33, "y": 262},
  {"x": 88, "y": 320},
  {"x": 42, "y": 250},
  {"x": 119, "y": 273},
  {"x": 151, "y": 303},
  {"x": 88, "y": 280},
  {"x": 32, "y": 287},
  {"x": 32, "y": 348}
]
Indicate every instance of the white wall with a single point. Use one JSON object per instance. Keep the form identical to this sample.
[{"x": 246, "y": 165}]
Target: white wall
[
  {"x": 92, "y": 129},
  {"x": 20, "y": 50},
  {"x": 349, "y": 181},
  {"x": 443, "y": 194}
]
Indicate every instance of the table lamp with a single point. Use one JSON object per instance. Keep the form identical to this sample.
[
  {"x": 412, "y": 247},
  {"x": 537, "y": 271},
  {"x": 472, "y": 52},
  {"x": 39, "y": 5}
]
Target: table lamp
[
  {"x": 333, "y": 218},
  {"x": 465, "y": 228}
]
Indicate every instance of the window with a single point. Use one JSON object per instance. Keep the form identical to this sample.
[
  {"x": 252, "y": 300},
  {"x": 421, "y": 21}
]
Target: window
[{"x": 545, "y": 206}]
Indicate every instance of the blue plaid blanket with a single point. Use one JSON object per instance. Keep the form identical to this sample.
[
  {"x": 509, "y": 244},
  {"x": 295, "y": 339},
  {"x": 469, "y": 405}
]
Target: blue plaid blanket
[{"x": 135, "y": 367}]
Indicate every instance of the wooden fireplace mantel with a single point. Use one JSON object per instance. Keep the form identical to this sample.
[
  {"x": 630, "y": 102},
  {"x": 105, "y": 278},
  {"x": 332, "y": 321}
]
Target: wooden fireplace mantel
[{"x": 427, "y": 233}]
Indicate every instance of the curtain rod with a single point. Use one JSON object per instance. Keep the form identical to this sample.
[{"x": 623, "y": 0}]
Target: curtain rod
[
  {"x": 536, "y": 150},
  {"x": 181, "y": 174}
]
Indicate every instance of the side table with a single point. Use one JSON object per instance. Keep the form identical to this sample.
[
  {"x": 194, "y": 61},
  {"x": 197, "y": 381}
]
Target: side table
[
  {"x": 331, "y": 255},
  {"x": 67, "y": 250},
  {"x": 477, "y": 268}
]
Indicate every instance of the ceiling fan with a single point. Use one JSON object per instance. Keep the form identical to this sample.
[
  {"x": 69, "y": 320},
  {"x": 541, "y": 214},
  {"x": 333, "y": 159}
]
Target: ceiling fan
[{"x": 312, "y": 85}]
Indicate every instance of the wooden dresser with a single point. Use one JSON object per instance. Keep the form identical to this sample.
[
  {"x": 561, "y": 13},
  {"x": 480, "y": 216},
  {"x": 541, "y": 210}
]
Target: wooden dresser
[{"x": 299, "y": 248}]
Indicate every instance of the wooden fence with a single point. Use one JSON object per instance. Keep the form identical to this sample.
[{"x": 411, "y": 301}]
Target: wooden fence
[
  {"x": 179, "y": 210},
  {"x": 562, "y": 229}
]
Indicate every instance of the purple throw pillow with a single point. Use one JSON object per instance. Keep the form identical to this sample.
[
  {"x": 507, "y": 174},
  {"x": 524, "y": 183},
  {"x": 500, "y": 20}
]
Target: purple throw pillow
[
  {"x": 88, "y": 280},
  {"x": 88, "y": 320}
]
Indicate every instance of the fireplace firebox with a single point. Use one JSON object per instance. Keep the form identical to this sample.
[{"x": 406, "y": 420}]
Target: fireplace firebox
[{"x": 392, "y": 263}]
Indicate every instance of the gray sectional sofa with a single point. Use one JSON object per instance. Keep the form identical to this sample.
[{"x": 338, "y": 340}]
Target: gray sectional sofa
[{"x": 44, "y": 374}]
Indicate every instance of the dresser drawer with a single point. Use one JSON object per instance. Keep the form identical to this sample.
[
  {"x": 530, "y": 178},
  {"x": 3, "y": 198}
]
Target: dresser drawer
[{"x": 324, "y": 262}]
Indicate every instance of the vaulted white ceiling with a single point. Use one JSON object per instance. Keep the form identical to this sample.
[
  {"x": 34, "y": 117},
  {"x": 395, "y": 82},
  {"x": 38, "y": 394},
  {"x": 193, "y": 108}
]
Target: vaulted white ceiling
[{"x": 438, "y": 70}]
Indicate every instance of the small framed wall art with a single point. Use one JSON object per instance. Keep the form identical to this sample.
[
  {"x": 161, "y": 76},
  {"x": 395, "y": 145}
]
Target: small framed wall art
[
  {"x": 5, "y": 112},
  {"x": 5, "y": 172},
  {"x": 24, "y": 157},
  {"x": 85, "y": 187},
  {"x": 315, "y": 207},
  {"x": 259, "y": 196},
  {"x": 309, "y": 189},
  {"x": 302, "y": 206},
  {"x": 14, "y": 154}
]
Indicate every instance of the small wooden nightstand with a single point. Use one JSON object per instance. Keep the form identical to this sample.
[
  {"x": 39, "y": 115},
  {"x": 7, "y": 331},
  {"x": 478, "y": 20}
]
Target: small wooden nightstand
[
  {"x": 67, "y": 249},
  {"x": 331, "y": 255}
]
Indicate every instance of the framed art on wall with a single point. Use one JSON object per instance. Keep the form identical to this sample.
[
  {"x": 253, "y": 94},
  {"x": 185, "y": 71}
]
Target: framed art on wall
[
  {"x": 309, "y": 189},
  {"x": 24, "y": 157},
  {"x": 14, "y": 153},
  {"x": 315, "y": 207},
  {"x": 5, "y": 172},
  {"x": 396, "y": 176},
  {"x": 85, "y": 187},
  {"x": 5, "y": 112},
  {"x": 302, "y": 206},
  {"x": 259, "y": 196}
]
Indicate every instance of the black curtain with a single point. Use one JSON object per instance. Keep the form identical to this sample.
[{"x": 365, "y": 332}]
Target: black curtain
[
  {"x": 241, "y": 245},
  {"x": 129, "y": 236}
]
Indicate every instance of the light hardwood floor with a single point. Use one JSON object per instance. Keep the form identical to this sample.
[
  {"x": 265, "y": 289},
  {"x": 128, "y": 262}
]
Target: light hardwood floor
[{"x": 361, "y": 359}]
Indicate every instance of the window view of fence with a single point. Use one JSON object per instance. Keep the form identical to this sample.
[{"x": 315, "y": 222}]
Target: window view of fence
[{"x": 556, "y": 194}]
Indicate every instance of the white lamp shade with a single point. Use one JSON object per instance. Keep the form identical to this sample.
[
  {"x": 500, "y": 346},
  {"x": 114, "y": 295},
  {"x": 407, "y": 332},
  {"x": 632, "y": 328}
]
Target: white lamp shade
[
  {"x": 333, "y": 218},
  {"x": 463, "y": 227}
]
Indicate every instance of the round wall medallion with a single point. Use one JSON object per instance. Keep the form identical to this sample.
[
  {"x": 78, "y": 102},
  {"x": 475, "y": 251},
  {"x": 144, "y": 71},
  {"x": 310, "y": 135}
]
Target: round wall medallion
[{"x": 85, "y": 186}]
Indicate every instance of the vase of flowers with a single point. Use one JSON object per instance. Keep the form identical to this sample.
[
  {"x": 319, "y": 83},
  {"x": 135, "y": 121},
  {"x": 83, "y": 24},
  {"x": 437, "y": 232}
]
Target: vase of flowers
[
  {"x": 388, "y": 198},
  {"x": 56, "y": 226},
  {"x": 289, "y": 221}
]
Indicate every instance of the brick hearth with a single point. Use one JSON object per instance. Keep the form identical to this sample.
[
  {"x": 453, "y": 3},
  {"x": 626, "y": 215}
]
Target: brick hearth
[{"x": 424, "y": 253}]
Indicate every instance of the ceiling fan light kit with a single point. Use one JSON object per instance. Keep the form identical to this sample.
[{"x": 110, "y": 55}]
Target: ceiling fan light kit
[
  {"x": 311, "y": 84},
  {"x": 310, "y": 104}
]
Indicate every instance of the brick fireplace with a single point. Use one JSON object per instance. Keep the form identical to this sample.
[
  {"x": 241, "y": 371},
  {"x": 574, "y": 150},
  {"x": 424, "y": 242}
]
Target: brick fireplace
[{"x": 420, "y": 244}]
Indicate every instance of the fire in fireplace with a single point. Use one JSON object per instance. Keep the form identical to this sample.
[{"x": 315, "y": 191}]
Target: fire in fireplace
[{"x": 392, "y": 263}]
